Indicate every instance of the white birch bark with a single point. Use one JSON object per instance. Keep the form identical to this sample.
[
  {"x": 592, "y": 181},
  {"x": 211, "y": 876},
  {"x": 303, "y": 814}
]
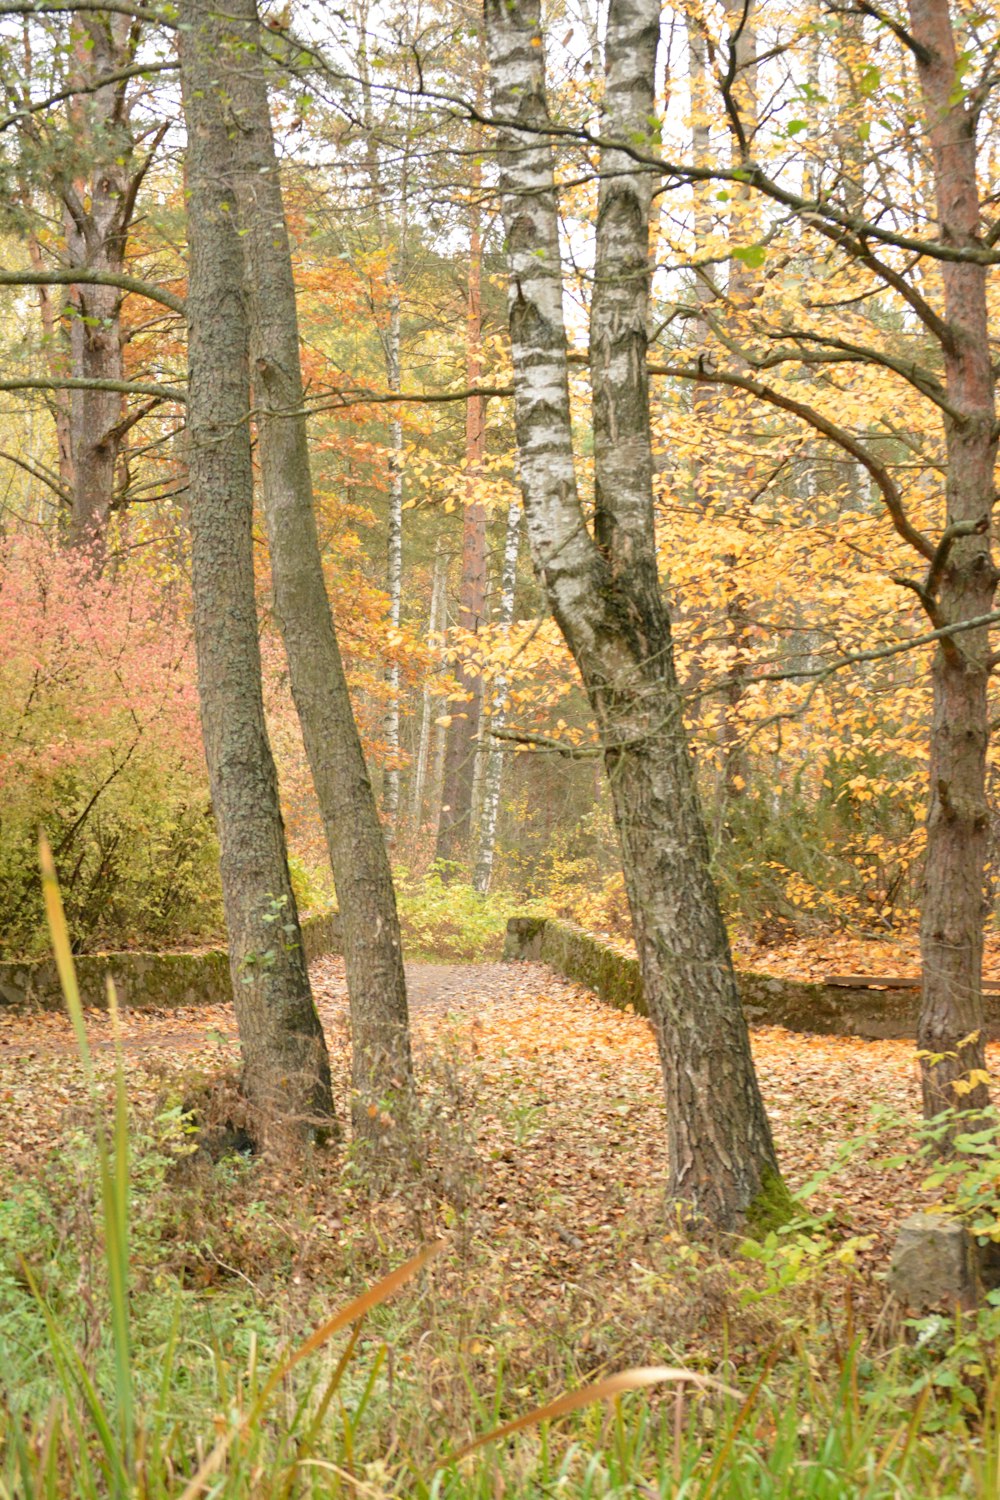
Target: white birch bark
[
  {"x": 493, "y": 774},
  {"x": 604, "y": 592}
]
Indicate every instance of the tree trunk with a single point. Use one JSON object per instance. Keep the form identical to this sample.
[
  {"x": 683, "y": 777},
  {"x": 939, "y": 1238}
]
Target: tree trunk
[
  {"x": 493, "y": 774},
  {"x": 286, "y": 1070},
  {"x": 455, "y": 824},
  {"x": 439, "y": 579},
  {"x": 391, "y": 340},
  {"x": 98, "y": 216},
  {"x": 604, "y": 592},
  {"x": 394, "y": 550},
  {"x": 950, "y": 1032},
  {"x": 372, "y": 948}
]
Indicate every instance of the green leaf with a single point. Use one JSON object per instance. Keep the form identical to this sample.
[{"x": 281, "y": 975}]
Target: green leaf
[
  {"x": 753, "y": 256},
  {"x": 795, "y": 127}
]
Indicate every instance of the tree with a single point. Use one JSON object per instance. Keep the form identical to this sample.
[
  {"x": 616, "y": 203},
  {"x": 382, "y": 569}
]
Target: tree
[
  {"x": 604, "y": 591},
  {"x": 286, "y": 1070},
  {"x": 937, "y": 282},
  {"x": 461, "y": 746},
  {"x": 372, "y": 948},
  {"x": 94, "y": 162}
]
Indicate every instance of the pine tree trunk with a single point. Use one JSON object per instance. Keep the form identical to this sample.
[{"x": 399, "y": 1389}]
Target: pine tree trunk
[
  {"x": 373, "y": 956},
  {"x": 604, "y": 592},
  {"x": 286, "y": 1070},
  {"x": 950, "y": 1030}
]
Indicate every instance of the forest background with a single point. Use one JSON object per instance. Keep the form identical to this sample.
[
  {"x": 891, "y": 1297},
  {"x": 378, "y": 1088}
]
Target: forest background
[
  {"x": 777, "y": 553},
  {"x": 701, "y": 303}
]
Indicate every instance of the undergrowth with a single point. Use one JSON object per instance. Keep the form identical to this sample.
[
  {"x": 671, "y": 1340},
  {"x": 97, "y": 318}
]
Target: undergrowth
[{"x": 176, "y": 1322}]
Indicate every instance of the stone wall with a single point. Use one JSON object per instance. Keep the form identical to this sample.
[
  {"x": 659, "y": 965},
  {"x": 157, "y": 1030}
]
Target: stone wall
[
  {"x": 154, "y": 980},
  {"x": 833, "y": 1010}
]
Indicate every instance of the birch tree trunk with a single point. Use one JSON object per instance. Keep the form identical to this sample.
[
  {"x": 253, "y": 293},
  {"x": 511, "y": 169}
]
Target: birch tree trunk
[
  {"x": 391, "y": 340},
  {"x": 286, "y": 1070},
  {"x": 493, "y": 774},
  {"x": 456, "y": 822},
  {"x": 381, "y": 1067},
  {"x": 950, "y": 1028},
  {"x": 604, "y": 592}
]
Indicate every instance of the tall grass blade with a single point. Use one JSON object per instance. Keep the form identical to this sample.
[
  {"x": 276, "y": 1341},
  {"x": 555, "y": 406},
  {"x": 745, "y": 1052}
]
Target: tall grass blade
[
  {"x": 113, "y": 1162},
  {"x": 380, "y": 1292},
  {"x": 601, "y": 1390}
]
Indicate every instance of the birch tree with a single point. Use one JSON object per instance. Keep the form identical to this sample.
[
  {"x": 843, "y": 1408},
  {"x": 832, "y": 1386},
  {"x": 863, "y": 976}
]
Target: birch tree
[
  {"x": 493, "y": 773},
  {"x": 603, "y": 588}
]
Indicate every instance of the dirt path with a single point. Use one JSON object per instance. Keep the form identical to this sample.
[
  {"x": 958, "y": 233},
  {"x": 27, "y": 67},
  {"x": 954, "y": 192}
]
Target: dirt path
[{"x": 436, "y": 988}]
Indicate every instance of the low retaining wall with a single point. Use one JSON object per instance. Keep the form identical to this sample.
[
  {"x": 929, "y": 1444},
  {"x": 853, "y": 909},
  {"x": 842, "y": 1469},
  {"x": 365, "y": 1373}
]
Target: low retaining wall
[
  {"x": 832, "y": 1010},
  {"x": 152, "y": 980}
]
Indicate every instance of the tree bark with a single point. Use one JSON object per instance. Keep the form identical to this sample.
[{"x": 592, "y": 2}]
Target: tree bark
[
  {"x": 381, "y": 1067},
  {"x": 439, "y": 579},
  {"x": 390, "y": 337},
  {"x": 455, "y": 823},
  {"x": 605, "y": 594},
  {"x": 97, "y": 216},
  {"x": 950, "y": 1033},
  {"x": 286, "y": 1070},
  {"x": 493, "y": 774}
]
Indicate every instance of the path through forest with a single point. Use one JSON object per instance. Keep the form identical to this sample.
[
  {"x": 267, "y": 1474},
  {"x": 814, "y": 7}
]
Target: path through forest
[{"x": 553, "y": 1099}]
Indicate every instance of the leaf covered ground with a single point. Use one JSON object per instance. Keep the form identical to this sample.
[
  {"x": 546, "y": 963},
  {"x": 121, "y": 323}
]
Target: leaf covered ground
[
  {"x": 536, "y": 1154},
  {"x": 556, "y": 1096}
]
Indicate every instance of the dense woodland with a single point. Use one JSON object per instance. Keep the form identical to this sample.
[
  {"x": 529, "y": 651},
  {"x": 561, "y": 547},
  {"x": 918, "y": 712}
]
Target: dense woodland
[{"x": 459, "y": 463}]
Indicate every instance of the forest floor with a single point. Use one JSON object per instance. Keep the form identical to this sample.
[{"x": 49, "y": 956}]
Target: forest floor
[
  {"x": 567, "y": 1115},
  {"x": 537, "y": 1153}
]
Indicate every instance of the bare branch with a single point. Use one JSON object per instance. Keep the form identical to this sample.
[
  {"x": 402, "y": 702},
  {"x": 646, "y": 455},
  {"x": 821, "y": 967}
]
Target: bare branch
[
  {"x": 82, "y": 276},
  {"x": 73, "y": 383}
]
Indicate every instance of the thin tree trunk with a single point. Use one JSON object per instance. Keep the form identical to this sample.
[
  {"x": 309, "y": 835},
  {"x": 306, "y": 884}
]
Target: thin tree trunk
[
  {"x": 493, "y": 774},
  {"x": 455, "y": 824},
  {"x": 950, "y": 1029},
  {"x": 286, "y": 1070},
  {"x": 372, "y": 949},
  {"x": 439, "y": 578},
  {"x": 391, "y": 340},
  {"x": 604, "y": 592},
  {"x": 391, "y": 777}
]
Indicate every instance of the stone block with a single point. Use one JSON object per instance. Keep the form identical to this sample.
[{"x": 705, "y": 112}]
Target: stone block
[{"x": 934, "y": 1265}]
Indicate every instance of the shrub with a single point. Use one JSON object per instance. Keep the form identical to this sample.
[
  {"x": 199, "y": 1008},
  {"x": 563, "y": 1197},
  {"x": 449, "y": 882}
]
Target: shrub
[{"x": 100, "y": 746}]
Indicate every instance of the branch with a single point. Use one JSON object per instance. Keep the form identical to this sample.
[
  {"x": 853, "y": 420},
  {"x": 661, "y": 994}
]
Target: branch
[
  {"x": 74, "y": 383},
  {"x": 101, "y": 7},
  {"x": 949, "y": 537},
  {"x": 842, "y": 351},
  {"x": 83, "y": 276},
  {"x": 880, "y": 653},
  {"x": 830, "y": 430},
  {"x": 548, "y": 742},
  {"x": 390, "y": 398},
  {"x": 18, "y": 116},
  {"x": 40, "y": 473},
  {"x": 909, "y": 41}
]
